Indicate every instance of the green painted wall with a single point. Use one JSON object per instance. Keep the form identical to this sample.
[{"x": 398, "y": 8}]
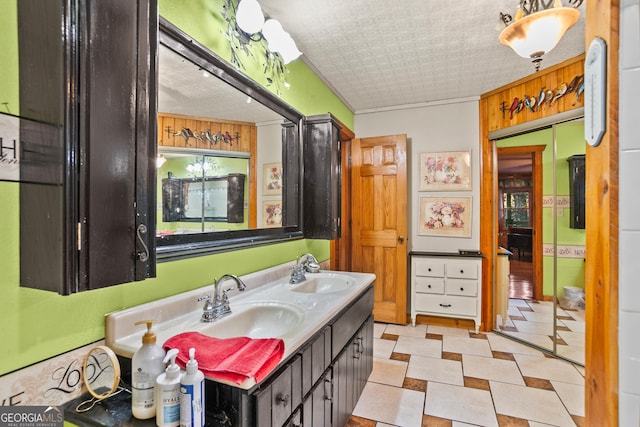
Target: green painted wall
[
  {"x": 307, "y": 93},
  {"x": 38, "y": 324},
  {"x": 570, "y": 141},
  {"x": 9, "y": 95}
]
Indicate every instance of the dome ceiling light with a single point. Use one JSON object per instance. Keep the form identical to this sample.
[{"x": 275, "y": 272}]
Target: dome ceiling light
[{"x": 537, "y": 27}]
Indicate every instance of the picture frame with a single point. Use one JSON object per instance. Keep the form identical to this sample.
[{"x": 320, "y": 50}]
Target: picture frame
[
  {"x": 272, "y": 213},
  {"x": 272, "y": 179},
  {"x": 445, "y": 171},
  {"x": 445, "y": 216}
]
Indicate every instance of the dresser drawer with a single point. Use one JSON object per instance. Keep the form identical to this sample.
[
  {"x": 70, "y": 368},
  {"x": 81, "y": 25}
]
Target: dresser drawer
[
  {"x": 428, "y": 267},
  {"x": 462, "y": 270},
  {"x": 445, "y": 304},
  {"x": 430, "y": 285},
  {"x": 462, "y": 287}
]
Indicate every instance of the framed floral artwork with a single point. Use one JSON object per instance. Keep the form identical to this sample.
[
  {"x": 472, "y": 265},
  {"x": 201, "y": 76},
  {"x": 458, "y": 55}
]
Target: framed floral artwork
[
  {"x": 445, "y": 216},
  {"x": 272, "y": 213},
  {"x": 272, "y": 179},
  {"x": 446, "y": 171}
]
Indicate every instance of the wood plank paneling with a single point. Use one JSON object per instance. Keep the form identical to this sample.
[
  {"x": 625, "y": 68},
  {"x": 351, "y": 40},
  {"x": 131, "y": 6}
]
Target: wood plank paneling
[
  {"x": 170, "y": 124},
  {"x": 549, "y": 79},
  {"x": 493, "y": 118}
]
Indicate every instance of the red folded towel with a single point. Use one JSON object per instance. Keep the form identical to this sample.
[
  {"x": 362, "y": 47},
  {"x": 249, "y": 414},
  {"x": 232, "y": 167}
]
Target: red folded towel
[{"x": 231, "y": 359}]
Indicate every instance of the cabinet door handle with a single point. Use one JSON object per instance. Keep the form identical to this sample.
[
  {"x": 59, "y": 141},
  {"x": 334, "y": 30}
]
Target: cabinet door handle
[
  {"x": 143, "y": 256},
  {"x": 328, "y": 391},
  {"x": 445, "y": 305},
  {"x": 283, "y": 400},
  {"x": 356, "y": 353}
]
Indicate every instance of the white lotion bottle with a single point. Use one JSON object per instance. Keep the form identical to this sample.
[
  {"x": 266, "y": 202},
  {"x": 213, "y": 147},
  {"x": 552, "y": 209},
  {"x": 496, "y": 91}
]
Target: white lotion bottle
[
  {"x": 168, "y": 393},
  {"x": 146, "y": 365},
  {"x": 192, "y": 394}
]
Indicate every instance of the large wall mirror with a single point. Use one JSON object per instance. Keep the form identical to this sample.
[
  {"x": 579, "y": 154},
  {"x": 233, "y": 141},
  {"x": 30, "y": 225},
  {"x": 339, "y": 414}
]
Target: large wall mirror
[
  {"x": 540, "y": 213},
  {"x": 228, "y": 169}
]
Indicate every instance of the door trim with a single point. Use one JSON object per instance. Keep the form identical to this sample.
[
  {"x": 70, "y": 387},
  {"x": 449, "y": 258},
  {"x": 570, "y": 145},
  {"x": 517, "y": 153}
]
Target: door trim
[{"x": 536, "y": 174}]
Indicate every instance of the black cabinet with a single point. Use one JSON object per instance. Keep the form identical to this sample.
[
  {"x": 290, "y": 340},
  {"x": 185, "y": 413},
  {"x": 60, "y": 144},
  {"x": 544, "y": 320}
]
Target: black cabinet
[
  {"x": 351, "y": 372},
  {"x": 88, "y": 142},
  {"x": 177, "y": 192},
  {"x": 322, "y": 178},
  {"x": 319, "y": 384},
  {"x": 577, "y": 174}
]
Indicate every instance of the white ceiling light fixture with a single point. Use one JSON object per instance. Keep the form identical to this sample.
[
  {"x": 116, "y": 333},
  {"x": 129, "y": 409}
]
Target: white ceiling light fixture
[
  {"x": 537, "y": 27},
  {"x": 280, "y": 41},
  {"x": 250, "y": 19},
  {"x": 249, "y": 16},
  {"x": 160, "y": 160}
]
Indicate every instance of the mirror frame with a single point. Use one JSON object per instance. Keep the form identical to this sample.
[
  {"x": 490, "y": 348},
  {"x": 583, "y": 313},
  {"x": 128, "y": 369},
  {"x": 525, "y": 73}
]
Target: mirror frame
[{"x": 173, "y": 247}]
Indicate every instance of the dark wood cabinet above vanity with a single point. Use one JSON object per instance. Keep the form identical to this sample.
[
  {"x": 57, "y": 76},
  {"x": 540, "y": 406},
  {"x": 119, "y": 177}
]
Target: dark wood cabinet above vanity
[
  {"x": 88, "y": 142},
  {"x": 322, "y": 178},
  {"x": 89, "y": 134}
]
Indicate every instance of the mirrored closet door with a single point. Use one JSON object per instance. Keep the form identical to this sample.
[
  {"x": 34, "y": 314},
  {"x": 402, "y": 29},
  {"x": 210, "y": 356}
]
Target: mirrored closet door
[{"x": 540, "y": 233}]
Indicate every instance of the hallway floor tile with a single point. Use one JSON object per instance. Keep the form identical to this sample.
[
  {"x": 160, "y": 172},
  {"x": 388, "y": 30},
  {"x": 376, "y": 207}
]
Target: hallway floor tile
[{"x": 442, "y": 376}]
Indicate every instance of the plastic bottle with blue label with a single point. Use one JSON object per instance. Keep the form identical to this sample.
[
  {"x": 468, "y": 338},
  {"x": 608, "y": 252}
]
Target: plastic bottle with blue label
[
  {"x": 192, "y": 394},
  {"x": 168, "y": 393}
]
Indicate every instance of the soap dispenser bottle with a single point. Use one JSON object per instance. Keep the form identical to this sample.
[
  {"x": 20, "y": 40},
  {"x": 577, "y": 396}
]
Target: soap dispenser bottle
[
  {"x": 192, "y": 394},
  {"x": 168, "y": 393},
  {"x": 146, "y": 365}
]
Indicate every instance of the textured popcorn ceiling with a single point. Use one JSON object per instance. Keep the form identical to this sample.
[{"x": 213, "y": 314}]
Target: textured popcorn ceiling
[{"x": 385, "y": 53}]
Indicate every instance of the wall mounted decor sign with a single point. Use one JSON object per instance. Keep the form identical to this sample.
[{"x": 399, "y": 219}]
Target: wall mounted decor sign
[
  {"x": 445, "y": 216},
  {"x": 272, "y": 179},
  {"x": 446, "y": 171},
  {"x": 272, "y": 213},
  {"x": 9, "y": 148}
]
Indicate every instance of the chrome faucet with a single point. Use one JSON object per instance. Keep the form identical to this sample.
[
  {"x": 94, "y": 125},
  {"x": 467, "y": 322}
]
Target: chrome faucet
[
  {"x": 305, "y": 263},
  {"x": 219, "y": 307}
]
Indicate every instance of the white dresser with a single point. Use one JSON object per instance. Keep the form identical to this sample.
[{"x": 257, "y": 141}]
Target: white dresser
[{"x": 446, "y": 285}]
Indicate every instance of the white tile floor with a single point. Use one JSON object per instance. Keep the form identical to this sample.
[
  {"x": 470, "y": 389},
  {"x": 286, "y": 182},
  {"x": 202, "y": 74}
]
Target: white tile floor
[
  {"x": 440, "y": 376},
  {"x": 533, "y": 322}
]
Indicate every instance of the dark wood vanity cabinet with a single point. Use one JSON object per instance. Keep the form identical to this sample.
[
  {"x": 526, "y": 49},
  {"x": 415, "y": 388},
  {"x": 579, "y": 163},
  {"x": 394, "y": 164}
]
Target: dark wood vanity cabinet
[
  {"x": 318, "y": 386},
  {"x": 87, "y": 72},
  {"x": 322, "y": 178},
  {"x": 577, "y": 174}
]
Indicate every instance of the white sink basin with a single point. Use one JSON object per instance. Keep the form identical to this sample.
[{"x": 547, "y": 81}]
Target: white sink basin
[
  {"x": 256, "y": 320},
  {"x": 323, "y": 283},
  {"x": 271, "y": 307}
]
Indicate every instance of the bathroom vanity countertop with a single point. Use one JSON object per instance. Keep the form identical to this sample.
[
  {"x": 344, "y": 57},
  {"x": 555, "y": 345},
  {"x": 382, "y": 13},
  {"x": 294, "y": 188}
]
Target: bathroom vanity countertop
[{"x": 181, "y": 313}]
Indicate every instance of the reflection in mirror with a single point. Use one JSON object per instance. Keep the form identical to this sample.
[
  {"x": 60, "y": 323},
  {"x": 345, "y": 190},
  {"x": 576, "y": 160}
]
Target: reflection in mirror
[
  {"x": 540, "y": 287},
  {"x": 202, "y": 192},
  {"x": 220, "y": 171}
]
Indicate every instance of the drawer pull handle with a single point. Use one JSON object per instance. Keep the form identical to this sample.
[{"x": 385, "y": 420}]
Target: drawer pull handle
[
  {"x": 429, "y": 286},
  {"x": 461, "y": 271},
  {"x": 462, "y": 289},
  {"x": 429, "y": 269},
  {"x": 357, "y": 352},
  {"x": 445, "y": 305},
  {"x": 284, "y": 400},
  {"x": 328, "y": 389}
]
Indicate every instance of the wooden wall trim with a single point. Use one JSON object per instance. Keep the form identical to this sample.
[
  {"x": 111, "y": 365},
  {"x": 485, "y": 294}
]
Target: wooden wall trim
[
  {"x": 530, "y": 77},
  {"x": 492, "y": 119},
  {"x": 340, "y": 249},
  {"x": 170, "y": 125},
  {"x": 601, "y": 273}
]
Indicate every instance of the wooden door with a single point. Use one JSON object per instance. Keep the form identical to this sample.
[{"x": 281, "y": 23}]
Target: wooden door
[{"x": 379, "y": 221}]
